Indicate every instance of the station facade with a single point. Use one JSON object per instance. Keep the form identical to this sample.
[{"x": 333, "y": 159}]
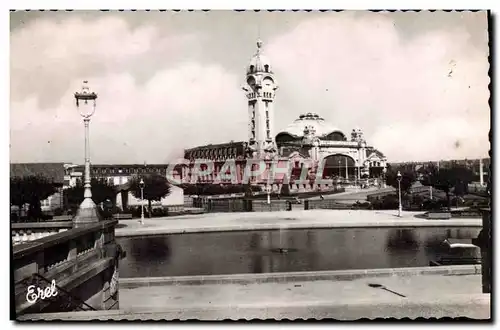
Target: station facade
[{"x": 309, "y": 147}]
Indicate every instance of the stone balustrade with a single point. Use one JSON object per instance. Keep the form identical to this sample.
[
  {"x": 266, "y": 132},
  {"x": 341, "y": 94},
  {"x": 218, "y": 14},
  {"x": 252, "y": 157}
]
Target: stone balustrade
[{"x": 30, "y": 231}]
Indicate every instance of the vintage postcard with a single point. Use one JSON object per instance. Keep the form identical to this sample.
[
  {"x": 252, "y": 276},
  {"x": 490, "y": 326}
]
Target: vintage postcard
[{"x": 212, "y": 165}]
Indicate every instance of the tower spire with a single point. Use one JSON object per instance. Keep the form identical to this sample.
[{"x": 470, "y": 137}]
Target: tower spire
[
  {"x": 259, "y": 46},
  {"x": 260, "y": 91}
]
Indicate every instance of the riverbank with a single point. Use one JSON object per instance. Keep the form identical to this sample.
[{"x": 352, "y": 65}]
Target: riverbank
[
  {"x": 297, "y": 219},
  {"x": 288, "y": 277}
]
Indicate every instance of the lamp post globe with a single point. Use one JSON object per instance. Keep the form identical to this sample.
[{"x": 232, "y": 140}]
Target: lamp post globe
[
  {"x": 400, "y": 208},
  {"x": 141, "y": 185},
  {"x": 86, "y": 101}
]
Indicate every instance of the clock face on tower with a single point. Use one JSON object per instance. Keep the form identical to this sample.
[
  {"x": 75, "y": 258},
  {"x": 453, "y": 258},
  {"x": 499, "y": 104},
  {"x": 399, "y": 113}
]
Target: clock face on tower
[{"x": 268, "y": 82}]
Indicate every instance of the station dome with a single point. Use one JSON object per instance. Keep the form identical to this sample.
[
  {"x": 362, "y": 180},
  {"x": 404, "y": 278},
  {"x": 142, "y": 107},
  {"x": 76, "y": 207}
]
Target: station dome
[
  {"x": 323, "y": 129},
  {"x": 259, "y": 62}
]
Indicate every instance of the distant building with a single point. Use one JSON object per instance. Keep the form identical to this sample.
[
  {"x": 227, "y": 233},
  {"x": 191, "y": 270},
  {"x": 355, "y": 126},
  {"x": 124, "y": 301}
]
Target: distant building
[{"x": 119, "y": 175}]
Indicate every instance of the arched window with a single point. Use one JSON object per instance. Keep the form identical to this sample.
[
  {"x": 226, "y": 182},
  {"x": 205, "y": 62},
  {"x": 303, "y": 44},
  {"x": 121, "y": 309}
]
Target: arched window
[
  {"x": 336, "y": 136},
  {"x": 266, "y": 68},
  {"x": 252, "y": 68},
  {"x": 284, "y": 137}
]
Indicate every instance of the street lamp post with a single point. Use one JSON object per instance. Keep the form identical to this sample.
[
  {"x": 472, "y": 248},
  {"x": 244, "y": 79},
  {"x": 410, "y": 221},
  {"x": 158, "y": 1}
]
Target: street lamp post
[
  {"x": 268, "y": 190},
  {"x": 346, "y": 171},
  {"x": 141, "y": 185},
  {"x": 399, "y": 190},
  {"x": 86, "y": 104}
]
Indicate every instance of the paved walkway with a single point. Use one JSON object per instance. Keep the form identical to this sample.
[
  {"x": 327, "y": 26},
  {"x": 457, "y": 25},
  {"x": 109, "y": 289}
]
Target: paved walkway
[
  {"x": 155, "y": 298},
  {"x": 210, "y": 222},
  {"x": 424, "y": 296}
]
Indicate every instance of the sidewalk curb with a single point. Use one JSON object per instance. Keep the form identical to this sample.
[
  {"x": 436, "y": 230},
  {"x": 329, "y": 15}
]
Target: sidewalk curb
[
  {"x": 403, "y": 224},
  {"x": 337, "y": 275}
]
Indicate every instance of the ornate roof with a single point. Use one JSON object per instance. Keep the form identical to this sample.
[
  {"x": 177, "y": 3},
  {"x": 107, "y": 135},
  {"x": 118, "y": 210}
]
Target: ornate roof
[
  {"x": 310, "y": 119},
  {"x": 372, "y": 151},
  {"x": 259, "y": 62}
]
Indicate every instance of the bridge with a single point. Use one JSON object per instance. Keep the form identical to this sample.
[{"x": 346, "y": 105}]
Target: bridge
[{"x": 75, "y": 268}]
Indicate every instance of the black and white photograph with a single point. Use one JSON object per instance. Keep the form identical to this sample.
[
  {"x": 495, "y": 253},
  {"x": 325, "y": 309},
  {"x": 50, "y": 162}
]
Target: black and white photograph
[{"x": 250, "y": 165}]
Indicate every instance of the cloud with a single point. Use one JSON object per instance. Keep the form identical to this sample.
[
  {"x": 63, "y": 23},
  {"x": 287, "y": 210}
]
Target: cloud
[
  {"x": 414, "y": 98},
  {"x": 176, "y": 108}
]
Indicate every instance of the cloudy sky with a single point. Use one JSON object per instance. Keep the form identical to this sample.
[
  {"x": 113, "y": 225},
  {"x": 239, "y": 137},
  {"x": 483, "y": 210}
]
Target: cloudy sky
[{"x": 416, "y": 83}]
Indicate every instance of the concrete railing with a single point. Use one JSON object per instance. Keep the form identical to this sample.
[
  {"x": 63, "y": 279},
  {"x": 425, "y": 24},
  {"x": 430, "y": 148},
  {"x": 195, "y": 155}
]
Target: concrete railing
[
  {"x": 29, "y": 231},
  {"x": 122, "y": 216},
  {"x": 82, "y": 262}
]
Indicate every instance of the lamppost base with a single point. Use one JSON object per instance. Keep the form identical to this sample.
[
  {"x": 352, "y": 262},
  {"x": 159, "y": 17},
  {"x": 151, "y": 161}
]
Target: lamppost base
[{"x": 87, "y": 213}]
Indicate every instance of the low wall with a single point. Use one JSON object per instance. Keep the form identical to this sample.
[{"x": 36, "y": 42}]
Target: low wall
[
  {"x": 329, "y": 204},
  {"x": 226, "y": 205},
  {"x": 438, "y": 215},
  {"x": 276, "y": 205}
]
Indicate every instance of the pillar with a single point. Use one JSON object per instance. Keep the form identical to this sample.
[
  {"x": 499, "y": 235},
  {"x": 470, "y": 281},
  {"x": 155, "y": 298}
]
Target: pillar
[
  {"x": 483, "y": 241},
  {"x": 118, "y": 201},
  {"x": 124, "y": 196},
  {"x": 481, "y": 173},
  {"x": 346, "y": 170}
]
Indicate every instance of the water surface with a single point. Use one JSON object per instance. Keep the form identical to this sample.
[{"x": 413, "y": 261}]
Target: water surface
[{"x": 239, "y": 252}]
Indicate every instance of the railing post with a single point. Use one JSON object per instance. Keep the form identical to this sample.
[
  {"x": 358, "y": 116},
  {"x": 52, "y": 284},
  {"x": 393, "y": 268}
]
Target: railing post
[
  {"x": 40, "y": 262},
  {"x": 486, "y": 252},
  {"x": 99, "y": 242},
  {"x": 72, "y": 249}
]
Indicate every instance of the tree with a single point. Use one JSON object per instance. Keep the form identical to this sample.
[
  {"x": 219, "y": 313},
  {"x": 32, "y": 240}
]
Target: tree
[
  {"x": 408, "y": 177},
  {"x": 456, "y": 177},
  {"x": 285, "y": 190},
  {"x": 101, "y": 191},
  {"x": 31, "y": 190},
  {"x": 16, "y": 192},
  {"x": 156, "y": 187}
]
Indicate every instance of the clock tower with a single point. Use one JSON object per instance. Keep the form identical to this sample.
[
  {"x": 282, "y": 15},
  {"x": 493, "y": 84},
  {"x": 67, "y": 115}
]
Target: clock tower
[{"x": 260, "y": 90}]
